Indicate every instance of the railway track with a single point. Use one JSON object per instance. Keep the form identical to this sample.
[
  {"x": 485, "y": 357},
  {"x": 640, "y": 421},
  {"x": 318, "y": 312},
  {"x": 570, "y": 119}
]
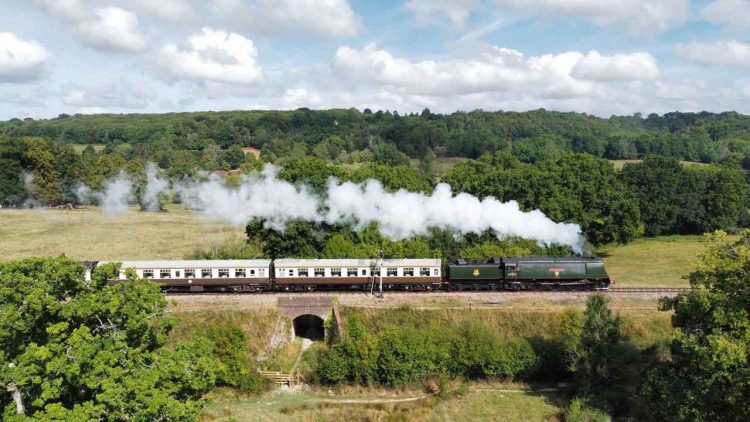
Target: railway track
[{"x": 649, "y": 289}]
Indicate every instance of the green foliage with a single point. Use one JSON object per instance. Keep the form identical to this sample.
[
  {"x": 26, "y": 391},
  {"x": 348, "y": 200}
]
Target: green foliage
[
  {"x": 232, "y": 249},
  {"x": 399, "y": 356},
  {"x": 579, "y": 410},
  {"x": 595, "y": 357},
  {"x": 573, "y": 188},
  {"x": 679, "y": 200},
  {"x": 707, "y": 377},
  {"x": 82, "y": 350}
]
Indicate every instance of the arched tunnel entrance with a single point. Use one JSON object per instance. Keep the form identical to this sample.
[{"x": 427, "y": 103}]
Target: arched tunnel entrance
[{"x": 309, "y": 326}]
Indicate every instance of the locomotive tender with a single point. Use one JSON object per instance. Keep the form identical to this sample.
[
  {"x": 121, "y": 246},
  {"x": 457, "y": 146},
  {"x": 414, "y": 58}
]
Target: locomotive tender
[{"x": 258, "y": 275}]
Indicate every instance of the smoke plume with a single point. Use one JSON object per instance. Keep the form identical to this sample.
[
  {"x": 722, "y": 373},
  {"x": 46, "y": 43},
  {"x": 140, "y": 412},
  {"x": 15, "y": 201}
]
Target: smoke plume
[
  {"x": 114, "y": 199},
  {"x": 399, "y": 215},
  {"x": 155, "y": 186},
  {"x": 264, "y": 196},
  {"x": 403, "y": 214}
]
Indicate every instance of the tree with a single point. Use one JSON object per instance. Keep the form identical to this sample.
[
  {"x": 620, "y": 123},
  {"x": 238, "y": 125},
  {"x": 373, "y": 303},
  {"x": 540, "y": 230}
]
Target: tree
[
  {"x": 593, "y": 357},
  {"x": 233, "y": 156},
  {"x": 708, "y": 375},
  {"x": 76, "y": 349}
]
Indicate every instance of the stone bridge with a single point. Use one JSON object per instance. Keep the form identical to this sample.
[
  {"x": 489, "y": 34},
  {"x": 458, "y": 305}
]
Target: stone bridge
[{"x": 309, "y": 313}]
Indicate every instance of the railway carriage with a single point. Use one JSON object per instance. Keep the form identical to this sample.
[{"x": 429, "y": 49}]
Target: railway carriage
[
  {"x": 204, "y": 275},
  {"x": 310, "y": 274}
]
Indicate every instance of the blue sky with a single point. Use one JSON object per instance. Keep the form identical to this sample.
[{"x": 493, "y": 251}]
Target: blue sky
[{"x": 603, "y": 58}]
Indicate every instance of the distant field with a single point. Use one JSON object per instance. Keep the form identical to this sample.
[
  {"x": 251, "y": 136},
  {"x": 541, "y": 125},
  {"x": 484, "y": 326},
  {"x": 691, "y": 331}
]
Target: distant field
[
  {"x": 441, "y": 165},
  {"x": 619, "y": 164},
  {"x": 86, "y": 233},
  {"x": 659, "y": 261},
  {"x": 79, "y": 148}
]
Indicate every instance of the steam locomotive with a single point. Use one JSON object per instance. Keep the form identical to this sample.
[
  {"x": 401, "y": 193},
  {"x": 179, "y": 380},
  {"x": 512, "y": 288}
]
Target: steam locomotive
[{"x": 260, "y": 275}]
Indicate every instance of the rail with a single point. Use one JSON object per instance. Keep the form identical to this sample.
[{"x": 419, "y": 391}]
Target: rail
[{"x": 649, "y": 289}]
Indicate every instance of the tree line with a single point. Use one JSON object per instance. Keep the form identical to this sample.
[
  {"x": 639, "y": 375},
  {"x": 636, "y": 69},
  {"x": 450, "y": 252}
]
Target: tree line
[{"x": 351, "y": 136}]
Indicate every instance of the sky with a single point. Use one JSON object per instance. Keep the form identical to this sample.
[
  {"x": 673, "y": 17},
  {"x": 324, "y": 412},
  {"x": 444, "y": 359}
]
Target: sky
[{"x": 591, "y": 56}]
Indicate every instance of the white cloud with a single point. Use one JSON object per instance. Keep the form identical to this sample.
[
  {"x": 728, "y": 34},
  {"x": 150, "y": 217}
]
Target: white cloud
[
  {"x": 173, "y": 10},
  {"x": 327, "y": 18},
  {"x": 734, "y": 13},
  {"x": 21, "y": 60},
  {"x": 301, "y": 97},
  {"x": 565, "y": 75},
  {"x": 212, "y": 56},
  {"x": 457, "y": 12},
  {"x": 635, "y": 66},
  {"x": 112, "y": 29},
  {"x": 103, "y": 28},
  {"x": 635, "y": 15},
  {"x": 726, "y": 53},
  {"x": 110, "y": 94}
]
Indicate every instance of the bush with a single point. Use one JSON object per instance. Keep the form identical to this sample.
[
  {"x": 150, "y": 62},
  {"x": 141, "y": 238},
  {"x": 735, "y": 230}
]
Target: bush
[
  {"x": 580, "y": 410},
  {"x": 400, "y": 356}
]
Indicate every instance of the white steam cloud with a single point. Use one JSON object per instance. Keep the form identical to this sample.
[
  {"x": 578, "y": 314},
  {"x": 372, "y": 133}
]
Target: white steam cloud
[
  {"x": 399, "y": 215},
  {"x": 114, "y": 199},
  {"x": 266, "y": 197},
  {"x": 155, "y": 186},
  {"x": 403, "y": 214}
]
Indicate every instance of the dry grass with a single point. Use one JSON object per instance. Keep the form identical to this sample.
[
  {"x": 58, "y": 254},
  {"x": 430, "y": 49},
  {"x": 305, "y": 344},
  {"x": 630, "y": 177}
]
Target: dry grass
[
  {"x": 619, "y": 164},
  {"x": 643, "y": 326},
  {"x": 492, "y": 402},
  {"x": 659, "y": 261},
  {"x": 86, "y": 233},
  {"x": 257, "y": 324}
]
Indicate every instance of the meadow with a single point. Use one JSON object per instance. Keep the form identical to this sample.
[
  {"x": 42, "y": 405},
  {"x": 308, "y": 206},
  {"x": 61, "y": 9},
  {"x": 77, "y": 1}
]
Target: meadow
[
  {"x": 649, "y": 262},
  {"x": 88, "y": 234}
]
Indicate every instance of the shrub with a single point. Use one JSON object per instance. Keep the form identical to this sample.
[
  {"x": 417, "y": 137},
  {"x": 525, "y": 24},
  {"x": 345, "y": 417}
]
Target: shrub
[{"x": 580, "y": 410}]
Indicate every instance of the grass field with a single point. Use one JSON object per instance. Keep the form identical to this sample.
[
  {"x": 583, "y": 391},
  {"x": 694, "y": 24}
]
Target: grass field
[
  {"x": 86, "y": 233},
  {"x": 619, "y": 164},
  {"x": 498, "y": 402},
  {"x": 659, "y": 261}
]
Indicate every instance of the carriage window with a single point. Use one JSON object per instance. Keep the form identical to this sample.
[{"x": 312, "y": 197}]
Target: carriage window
[
  {"x": 434, "y": 271},
  {"x": 165, "y": 274},
  {"x": 224, "y": 272},
  {"x": 363, "y": 271},
  {"x": 391, "y": 272},
  {"x": 177, "y": 273},
  {"x": 319, "y": 272},
  {"x": 189, "y": 273},
  {"x": 148, "y": 273},
  {"x": 376, "y": 272},
  {"x": 302, "y": 272},
  {"x": 336, "y": 272},
  {"x": 240, "y": 272},
  {"x": 408, "y": 272},
  {"x": 262, "y": 272},
  {"x": 206, "y": 273},
  {"x": 424, "y": 272},
  {"x": 291, "y": 272},
  {"x": 252, "y": 272},
  {"x": 351, "y": 272}
]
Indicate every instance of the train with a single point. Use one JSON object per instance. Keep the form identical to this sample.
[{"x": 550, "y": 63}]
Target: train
[{"x": 305, "y": 275}]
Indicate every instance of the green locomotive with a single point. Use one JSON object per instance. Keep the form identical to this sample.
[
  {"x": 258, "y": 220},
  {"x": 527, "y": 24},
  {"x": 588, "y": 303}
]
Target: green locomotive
[{"x": 528, "y": 273}]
